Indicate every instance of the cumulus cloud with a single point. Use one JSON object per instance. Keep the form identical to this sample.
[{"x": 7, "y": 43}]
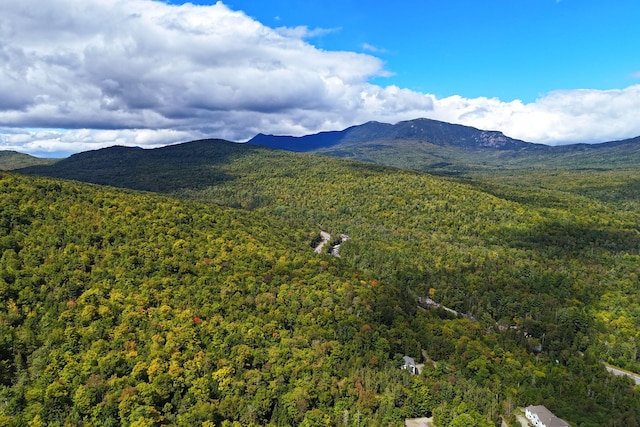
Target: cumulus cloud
[
  {"x": 559, "y": 117},
  {"x": 81, "y": 74},
  {"x": 141, "y": 64}
]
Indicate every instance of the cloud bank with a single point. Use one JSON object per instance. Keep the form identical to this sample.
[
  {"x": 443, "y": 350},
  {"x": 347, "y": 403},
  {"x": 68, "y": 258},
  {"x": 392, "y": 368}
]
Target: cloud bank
[{"x": 83, "y": 74}]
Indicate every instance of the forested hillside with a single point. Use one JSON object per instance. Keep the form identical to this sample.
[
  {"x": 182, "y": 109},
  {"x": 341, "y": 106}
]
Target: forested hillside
[
  {"x": 14, "y": 160},
  {"x": 548, "y": 278},
  {"x": 134, "y": 309}
]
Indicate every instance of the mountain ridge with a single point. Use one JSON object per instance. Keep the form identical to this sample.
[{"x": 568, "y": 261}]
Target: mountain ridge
[
  {"x": 434, "y": 131},
  {"x": 429, "y": 142},
  {"x": 451, "y": 149},
  {"x": 140, "y": 169}
]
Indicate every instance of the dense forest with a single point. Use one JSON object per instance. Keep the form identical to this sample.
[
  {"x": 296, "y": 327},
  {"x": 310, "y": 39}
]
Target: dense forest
[{"x": 208, "y": 306}]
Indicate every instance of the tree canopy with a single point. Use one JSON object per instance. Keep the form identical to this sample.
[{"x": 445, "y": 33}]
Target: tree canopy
[{"x": 207, "y": 305}]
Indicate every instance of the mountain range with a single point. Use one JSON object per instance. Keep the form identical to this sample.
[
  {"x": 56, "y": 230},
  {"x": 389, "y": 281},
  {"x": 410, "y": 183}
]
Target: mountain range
[
  {"x": 487, "y": 159},
  {"x": 426, "y": 145},
  {"x": 441, "y": 147},
  {"x": 423, "y": 130}
]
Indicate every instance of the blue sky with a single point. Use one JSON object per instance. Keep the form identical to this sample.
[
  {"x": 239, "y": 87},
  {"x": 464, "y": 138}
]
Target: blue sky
[
  {"x": 84, "y": 74},
  {"x": 515, "y": 49}
]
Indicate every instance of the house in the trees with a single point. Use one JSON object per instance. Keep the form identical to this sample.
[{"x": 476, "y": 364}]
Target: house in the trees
[
  {"x": 410, "y": 365},
  {"x": 540, "y": 416}
]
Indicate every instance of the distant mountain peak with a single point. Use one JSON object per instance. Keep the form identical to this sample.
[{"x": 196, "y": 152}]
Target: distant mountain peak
[{"x": 419, "y": 130}]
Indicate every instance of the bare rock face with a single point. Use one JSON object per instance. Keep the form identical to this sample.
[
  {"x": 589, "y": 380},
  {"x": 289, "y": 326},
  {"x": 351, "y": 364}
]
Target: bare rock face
[{"x": 493, "y": 139}]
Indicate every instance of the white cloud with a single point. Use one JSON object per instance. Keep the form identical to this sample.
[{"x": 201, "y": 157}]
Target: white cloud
[
  {"x": 140, "y": 64},
  {"x": 303, "y": 32},
  {"x": 372, "y": 48},
  {"x": 142, "y": 72},
  {"x": 563, "y": 116},
  {"x": 62, "y": 142}
]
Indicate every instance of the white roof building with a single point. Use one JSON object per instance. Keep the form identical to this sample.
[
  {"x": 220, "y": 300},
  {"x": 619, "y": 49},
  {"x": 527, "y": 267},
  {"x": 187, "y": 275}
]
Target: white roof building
[
  {"x": 542, "y": 417},
  {"x": 410, "y": 365}
]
